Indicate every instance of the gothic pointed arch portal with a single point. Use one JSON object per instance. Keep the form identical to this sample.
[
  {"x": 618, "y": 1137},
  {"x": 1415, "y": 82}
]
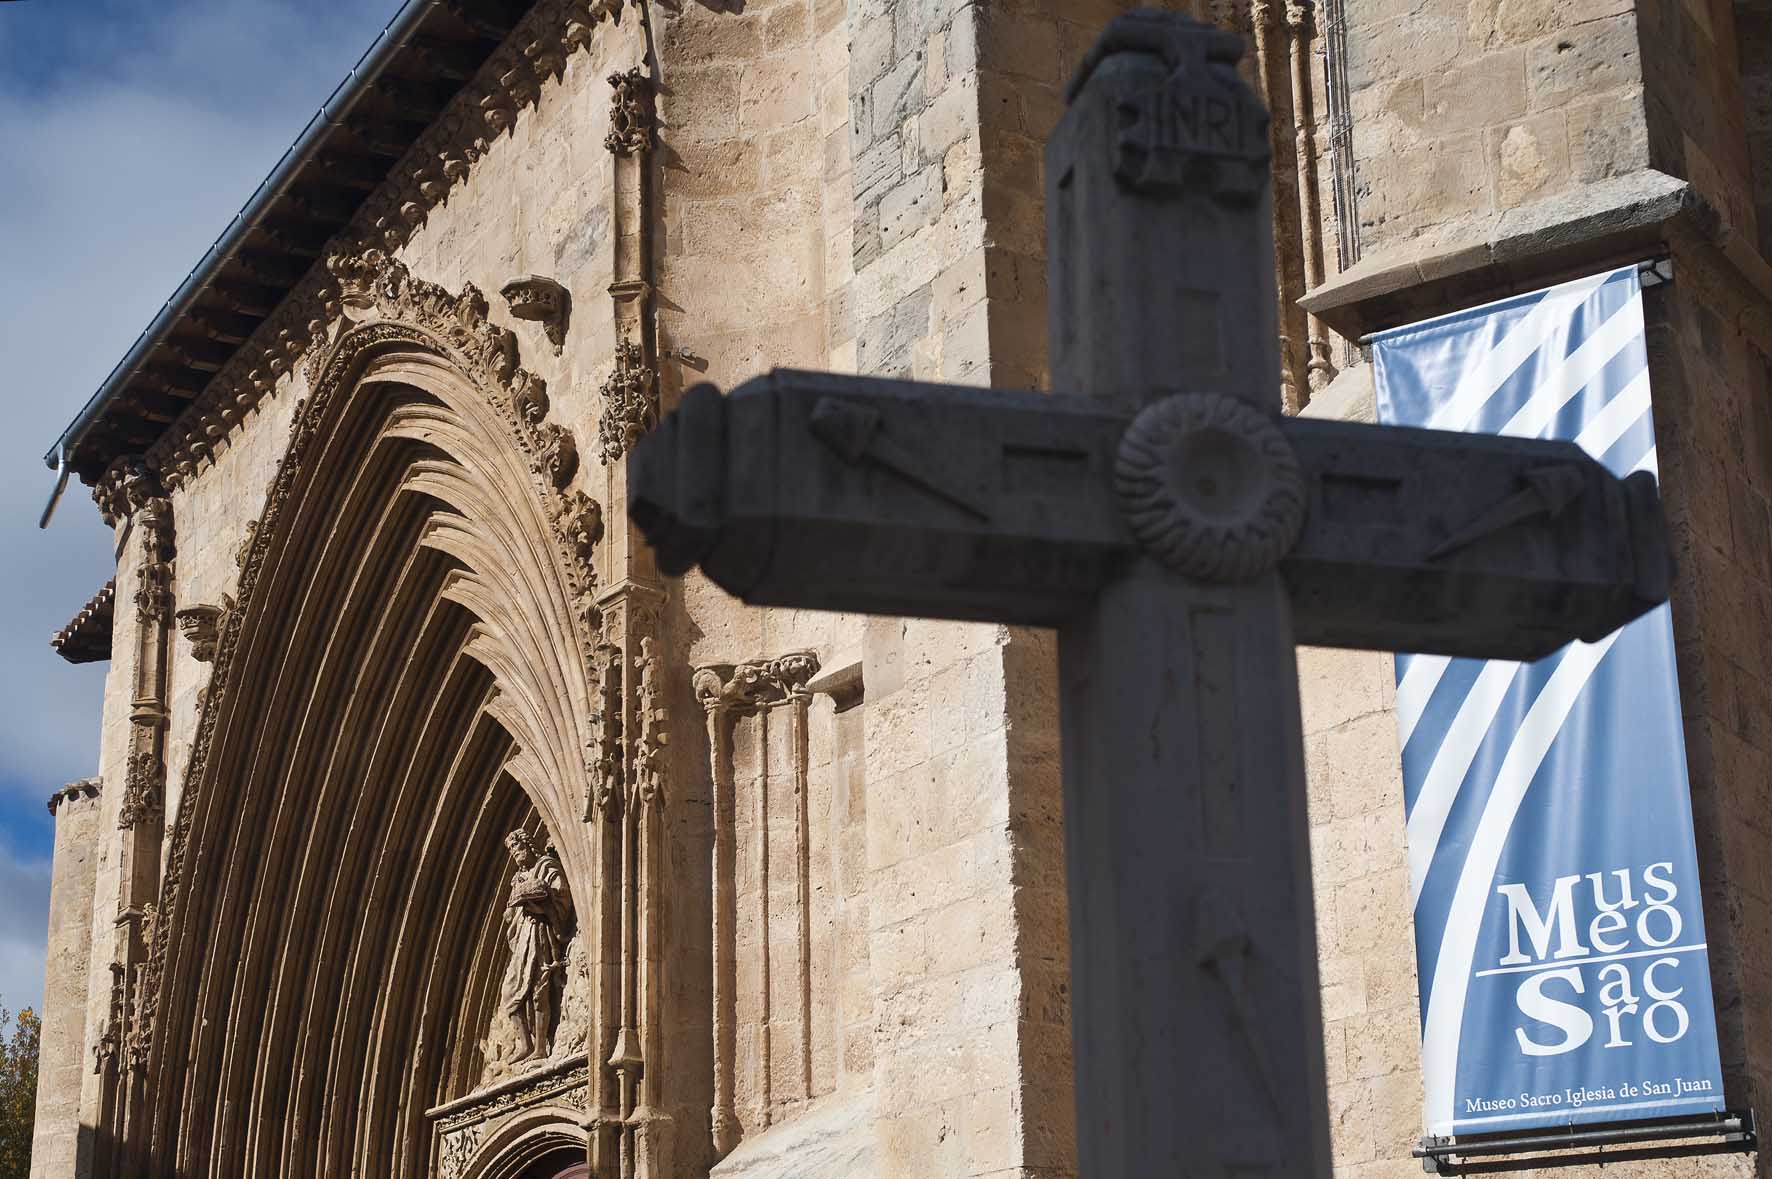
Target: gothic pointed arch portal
[{"x": 406, "y": 678}]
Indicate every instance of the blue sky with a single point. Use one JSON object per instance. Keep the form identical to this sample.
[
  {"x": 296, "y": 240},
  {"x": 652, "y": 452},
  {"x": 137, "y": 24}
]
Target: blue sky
[{"x": 130, "y": 133}]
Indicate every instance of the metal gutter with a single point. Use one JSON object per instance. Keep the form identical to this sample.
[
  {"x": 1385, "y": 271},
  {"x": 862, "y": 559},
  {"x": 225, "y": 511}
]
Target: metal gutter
[{"x": 344, "y": 98}]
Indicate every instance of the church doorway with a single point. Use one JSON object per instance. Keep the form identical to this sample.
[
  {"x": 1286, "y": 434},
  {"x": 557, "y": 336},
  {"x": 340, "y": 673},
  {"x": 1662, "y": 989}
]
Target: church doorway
[{"x": 551, "y": 1166}]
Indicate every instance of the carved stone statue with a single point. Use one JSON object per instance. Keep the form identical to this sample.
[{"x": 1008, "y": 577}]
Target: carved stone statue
[{"x": 534, "y": 923}]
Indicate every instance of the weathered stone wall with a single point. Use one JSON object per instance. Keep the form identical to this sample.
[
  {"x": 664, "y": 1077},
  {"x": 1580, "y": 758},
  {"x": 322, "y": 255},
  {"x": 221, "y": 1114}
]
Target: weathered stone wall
[
  {"x": 113, "y": 764},
  {"x": 763, "y": 256},
  {"x": 1464, "y": 110},
  {"x": 1694, "y": 104},
  {"x": 1753, "y": 58},
  {"x": 1708, "y": 353},
  {"x": 63, "y": 1061}
]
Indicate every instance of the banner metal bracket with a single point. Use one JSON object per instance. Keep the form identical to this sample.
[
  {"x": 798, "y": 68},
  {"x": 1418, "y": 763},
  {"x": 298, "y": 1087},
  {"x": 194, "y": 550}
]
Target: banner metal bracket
[
  {"x": 1654, "y": 272},
  {"x": 1731, "y": 1132}
]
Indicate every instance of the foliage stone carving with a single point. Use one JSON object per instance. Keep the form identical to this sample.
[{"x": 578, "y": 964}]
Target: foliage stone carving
[
  {"x": 630, "y": 403},
  {"x": 201, "y": 626},
  {"x": 632, "y": 119}
]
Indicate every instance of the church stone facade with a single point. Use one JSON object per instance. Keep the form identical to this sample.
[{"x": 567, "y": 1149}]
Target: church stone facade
[{"x": 435, "y": 834}]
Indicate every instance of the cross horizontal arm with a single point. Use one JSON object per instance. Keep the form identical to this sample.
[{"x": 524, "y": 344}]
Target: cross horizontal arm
[
  {"x": 1438, "y": 542},
  {"x": 833, "y": 492},
  {"x": 886, "y": 497}
]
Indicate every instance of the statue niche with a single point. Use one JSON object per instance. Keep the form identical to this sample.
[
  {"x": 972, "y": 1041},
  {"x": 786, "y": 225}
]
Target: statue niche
[{"x": 537, "y": 933}]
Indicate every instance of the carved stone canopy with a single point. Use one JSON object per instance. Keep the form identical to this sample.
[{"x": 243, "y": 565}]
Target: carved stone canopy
[
  {"x": 543, "y": 301},
  {"x": 201, "y": 626},
  {"x": 632, "y": 117}
]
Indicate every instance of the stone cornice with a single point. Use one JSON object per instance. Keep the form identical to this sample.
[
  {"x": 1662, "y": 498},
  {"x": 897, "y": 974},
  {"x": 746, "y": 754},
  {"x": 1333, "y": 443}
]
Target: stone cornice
[
  {"x": 87, "y": 638},
  {"x": 442, "y": 157},
  {"x": 1611, "y": 223}
]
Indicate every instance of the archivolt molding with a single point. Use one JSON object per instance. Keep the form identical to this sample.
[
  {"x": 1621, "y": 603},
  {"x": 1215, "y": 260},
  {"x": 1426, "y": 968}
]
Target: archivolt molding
[
  {"x": 384, "y": 307},
  {"x": 535, "y": 53},
  {"x": 382, "y": 300}
]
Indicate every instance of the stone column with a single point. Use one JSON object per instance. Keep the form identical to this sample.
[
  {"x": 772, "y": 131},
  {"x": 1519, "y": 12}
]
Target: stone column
[
  {"x": 1300, "y": 30},
  {"x": 131, "y": 494},
  {"x": 57, "y": 1149}
]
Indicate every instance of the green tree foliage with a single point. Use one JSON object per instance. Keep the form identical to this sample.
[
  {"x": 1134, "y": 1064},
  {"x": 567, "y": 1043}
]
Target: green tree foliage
[{"x": 18, "y": 1090}]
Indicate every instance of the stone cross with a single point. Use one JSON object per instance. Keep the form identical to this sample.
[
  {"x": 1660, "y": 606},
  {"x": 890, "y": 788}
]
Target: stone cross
[{"x": 1182, "y": 536}]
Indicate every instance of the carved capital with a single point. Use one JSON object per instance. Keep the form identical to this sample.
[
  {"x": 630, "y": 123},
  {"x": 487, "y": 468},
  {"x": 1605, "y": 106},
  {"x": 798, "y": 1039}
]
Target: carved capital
[
  {"x": 756, "y": 683},
  {"x": 541, "y": 300}
]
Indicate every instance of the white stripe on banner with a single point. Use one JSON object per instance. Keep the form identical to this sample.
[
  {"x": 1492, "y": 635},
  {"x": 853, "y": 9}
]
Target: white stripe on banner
[
  {"x": 1572, "y": 375},
  {"x": 1452, "y": 761},
  {"x": 1445, "y": 1011},
  {"x": 1620, "y": 414},
  {"x": 1415, "y": 689},
  {"x": 1548, "y": 317}
]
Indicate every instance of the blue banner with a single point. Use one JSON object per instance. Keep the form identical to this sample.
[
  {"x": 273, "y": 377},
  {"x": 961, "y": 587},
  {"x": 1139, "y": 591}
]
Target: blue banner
[{"x": 1558, "y": 928}]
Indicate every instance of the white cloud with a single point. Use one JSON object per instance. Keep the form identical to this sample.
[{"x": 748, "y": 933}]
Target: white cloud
[{"x": 119, "y": 165}]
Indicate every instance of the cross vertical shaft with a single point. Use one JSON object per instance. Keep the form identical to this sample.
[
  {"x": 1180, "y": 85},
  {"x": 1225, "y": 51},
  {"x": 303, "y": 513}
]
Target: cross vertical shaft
[{"x": 1196, "y": 1016}]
